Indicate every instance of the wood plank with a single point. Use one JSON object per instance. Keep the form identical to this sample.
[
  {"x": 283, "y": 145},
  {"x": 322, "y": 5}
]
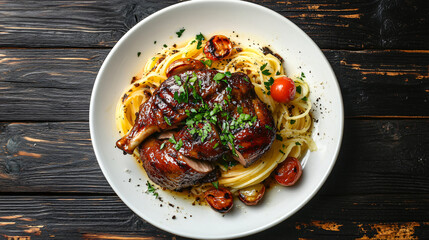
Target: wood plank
[
  {"x": 106, "y": 217},
  {"x": 56, "y": 84},
  {"x": 377, "y": 157},
  {"x": 352, "y": 24}
]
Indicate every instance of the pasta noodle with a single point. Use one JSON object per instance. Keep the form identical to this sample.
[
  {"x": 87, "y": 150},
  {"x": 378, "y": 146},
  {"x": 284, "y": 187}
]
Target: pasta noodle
[{"x": 293, "y": 120}]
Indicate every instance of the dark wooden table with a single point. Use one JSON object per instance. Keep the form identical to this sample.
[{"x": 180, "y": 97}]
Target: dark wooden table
[{"x": 51, "y": 185}]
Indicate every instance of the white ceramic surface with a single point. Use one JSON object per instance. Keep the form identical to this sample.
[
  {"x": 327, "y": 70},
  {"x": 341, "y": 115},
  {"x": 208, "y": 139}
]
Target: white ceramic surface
[{"x": 247, "y": 20}]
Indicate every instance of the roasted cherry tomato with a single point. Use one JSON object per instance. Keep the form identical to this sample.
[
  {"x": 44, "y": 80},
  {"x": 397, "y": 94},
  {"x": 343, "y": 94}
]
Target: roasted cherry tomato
[
  {"x": 183, "y": 65},
  {"x": 283, "y": 90},
  {"x": 218, "y": 47},
  {"x": 252, "y": 195},
  {"x": 220, "y": 199},
  {"x": 288, "y": 172}
]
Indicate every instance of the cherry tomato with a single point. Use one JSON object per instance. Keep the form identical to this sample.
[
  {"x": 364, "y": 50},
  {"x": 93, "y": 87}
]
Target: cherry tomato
[
  {"x": 283, "y": 90},
  {"x": 183, "y": 65},
  {"x": 288, "y": 172},
  {"x": 218, "y": 47},
  {"x": 252, "y": 195},
  {"x": 220, "y": 199}
]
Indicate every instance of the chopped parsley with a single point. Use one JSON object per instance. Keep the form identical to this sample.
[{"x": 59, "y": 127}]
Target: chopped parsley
[
  {"x": 297, "y": 143},
  {"x": 208, "y": 63},
  {"x": 215, "y": 146},
  {"x": 167, "y": 120},
  {"x": 228, "y": 74},
  {"x": 151, "y": 189},
  {"x": 165, "y": 45},
  {"x": 154, "y": 42},
  {"x": 218, "y": 77},
  {"x": 200, "y": 39},
  {"x": 265, "y": 71},
  {"x": 282, "y": 152},
  {"x": 304, "y": 99},
  {"x": 180, "y": 32},
  {"x": 279, "y": 137},
  {"x": 245, "y": 79},
  {"x": 268, "y": 85},
  {"x": 268, "y": 127},
  {"x": 277, "y": 73},
  {"x": 292, "y": 121},
  {"x": 172, "y": 140},
  {"x": 298, "y": 89},
  {"x": 162, "y": 146},
  {"x": 177, "y": 79},
  {"x": 178, "y": 145},
  {"x": 138, "y": 54},
  {"x": 216, "y": 184},
  {"x": 302, "y": 75}
]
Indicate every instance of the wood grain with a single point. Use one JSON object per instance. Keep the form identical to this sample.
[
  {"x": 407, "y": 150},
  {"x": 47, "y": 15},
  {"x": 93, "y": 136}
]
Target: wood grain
[
  {"x": 87, "y": 217},
  {"x": 56, "y": 84},
  {"x": 353, "y": 24},
  {"x": 58, "y": 157}
]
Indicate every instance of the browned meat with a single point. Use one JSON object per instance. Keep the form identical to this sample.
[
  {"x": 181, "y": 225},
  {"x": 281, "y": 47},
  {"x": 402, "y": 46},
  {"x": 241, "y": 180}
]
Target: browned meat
[
  {"x": 169, "y": 168},
  {"x": 210, "y": 148},
  {"x": 228, "y": 102},
  {"x": 248, "y": 120},
  {"x": 163, "y": 111}
]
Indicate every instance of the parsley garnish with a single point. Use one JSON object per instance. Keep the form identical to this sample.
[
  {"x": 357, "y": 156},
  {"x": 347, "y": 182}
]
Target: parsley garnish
[
  {"x": 298, "y": 89},
  {"x": 151, "y": 189},
  {"x": 216, "y": 184},
  {"x": 245, "y": 79},
  {"x": 172, "y": 140},
  {"x": 165, "y": 45},
  {"x": 297, "y": 143},
  {"x": 304, "y": 99},
  {"x": 178, "y": 145},
  {"x": 292, "y": 121},
  {"x": 208, "y": 63},
  {"x": 162, "y": 146},
  {"x": 167, "y": 120},
  {"x": 138, "y": 54},
  {"x": 218, "y": 77},
  {"x": 199, "y": 38},
  {"x": 268, "y": 85},
  {"x": 228, "y": 74},
  {"x": 282, "y": 152},
  {"x": 180, "y": 32},
  {"x": 268, "y": 127},
  {"x": 302, "y": 75},
  {"x": 215, "y": 146},
  {"x": 279, "y": 137},
  {"x": 265, "y": 71},
  {"x": 154, "y": 42},
  {"x": 277, "y": 73},
  {"x": 177, "y": 78}
]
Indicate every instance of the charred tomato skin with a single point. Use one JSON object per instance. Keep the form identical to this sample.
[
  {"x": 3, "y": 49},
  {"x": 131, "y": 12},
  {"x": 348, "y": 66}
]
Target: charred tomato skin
[
  {"x": 288, "y": 172},
  {"x": 252, "y": 195},
  {"x": 218, "y": 47},
  {"x": 220, "y": 199},
  {"x": 183, "y": 65}
]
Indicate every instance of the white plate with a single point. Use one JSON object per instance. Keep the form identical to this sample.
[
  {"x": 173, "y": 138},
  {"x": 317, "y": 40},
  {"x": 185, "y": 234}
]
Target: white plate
[{"x": 247, "y": 20}]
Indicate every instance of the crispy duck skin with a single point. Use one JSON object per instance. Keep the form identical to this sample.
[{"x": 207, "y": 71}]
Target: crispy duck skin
[
  {"x": 208, "y": 150},
  {"x": 251, "y": 141},
  {"x": 163, "y": 112},
  {"x": 169, "y": 168},
  {"x": 236, "y": 96}
]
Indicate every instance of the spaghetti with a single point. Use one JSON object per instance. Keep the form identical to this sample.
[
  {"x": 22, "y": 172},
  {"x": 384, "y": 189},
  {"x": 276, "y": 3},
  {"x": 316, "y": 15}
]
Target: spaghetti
[{"x": 293, "y": 119}]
